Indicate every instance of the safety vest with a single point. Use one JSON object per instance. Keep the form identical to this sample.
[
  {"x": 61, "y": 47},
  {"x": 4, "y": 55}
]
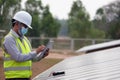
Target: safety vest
[{"x": 14, "y": 69}]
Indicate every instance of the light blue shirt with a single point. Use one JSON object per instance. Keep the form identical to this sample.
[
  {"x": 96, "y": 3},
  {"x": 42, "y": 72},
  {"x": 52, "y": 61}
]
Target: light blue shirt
[{"x": 11, "y": 48}]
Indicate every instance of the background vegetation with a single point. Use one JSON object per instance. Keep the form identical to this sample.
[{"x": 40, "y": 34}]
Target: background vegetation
[{"x": 104, "y": 25}]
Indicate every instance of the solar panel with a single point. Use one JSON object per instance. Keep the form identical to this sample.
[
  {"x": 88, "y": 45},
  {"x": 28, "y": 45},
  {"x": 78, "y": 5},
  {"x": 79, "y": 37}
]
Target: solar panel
[
  {"x": 100, "y": 65},
  {"x": 100, "y": 46}
]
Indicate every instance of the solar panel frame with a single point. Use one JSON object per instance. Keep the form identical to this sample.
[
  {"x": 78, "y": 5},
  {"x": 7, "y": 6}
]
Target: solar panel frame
[{"x": 100, "y": 46}]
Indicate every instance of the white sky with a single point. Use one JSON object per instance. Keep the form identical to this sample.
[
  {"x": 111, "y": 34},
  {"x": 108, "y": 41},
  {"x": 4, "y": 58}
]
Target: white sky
[{"x": 61, "y": 8}]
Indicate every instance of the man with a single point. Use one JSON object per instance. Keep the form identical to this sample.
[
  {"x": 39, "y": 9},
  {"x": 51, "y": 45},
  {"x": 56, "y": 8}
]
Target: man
[{"x": 17, "y": 49}]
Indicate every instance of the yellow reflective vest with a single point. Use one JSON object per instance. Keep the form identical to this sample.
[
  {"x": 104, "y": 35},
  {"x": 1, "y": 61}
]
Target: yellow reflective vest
[{"x": 14, "y": 69}]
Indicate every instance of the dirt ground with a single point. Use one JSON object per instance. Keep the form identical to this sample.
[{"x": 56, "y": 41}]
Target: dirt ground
[{"x": 38, "y": 67}]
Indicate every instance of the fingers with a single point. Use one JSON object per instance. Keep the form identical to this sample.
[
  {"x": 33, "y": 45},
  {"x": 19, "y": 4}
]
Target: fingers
[
  {"x": 47, "y": 53},
  {"x": 40, "y": 48}
]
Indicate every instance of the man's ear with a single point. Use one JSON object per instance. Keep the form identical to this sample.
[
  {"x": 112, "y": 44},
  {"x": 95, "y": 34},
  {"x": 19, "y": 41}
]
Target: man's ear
[{"x": 16, "y": 25}]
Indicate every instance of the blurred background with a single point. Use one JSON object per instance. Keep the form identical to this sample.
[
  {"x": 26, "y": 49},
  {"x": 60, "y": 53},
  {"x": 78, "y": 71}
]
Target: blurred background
[{"x": 68, "y": 25}]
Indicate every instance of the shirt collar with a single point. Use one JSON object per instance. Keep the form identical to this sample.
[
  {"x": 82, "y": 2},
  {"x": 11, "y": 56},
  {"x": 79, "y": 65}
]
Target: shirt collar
[{"x": 15, "y": 34}]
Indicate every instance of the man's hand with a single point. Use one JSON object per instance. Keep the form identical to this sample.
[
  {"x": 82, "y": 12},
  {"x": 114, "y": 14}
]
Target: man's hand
[
  {"x": 40, "y": 48},
  {"x": 46, "y": 53}
]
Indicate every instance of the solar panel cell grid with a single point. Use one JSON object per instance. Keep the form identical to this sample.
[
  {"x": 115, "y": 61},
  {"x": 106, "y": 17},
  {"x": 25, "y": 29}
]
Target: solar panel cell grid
[{"x": 100, "y": 65}]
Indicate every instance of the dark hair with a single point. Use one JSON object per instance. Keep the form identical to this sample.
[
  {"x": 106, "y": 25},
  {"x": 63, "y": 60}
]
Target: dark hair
[{"x": 13, "y": 22}]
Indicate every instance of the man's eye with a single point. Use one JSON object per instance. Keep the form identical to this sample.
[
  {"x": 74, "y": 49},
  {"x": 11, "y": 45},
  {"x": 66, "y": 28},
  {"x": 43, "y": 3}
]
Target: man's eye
[{"x": 25, "y": 26}]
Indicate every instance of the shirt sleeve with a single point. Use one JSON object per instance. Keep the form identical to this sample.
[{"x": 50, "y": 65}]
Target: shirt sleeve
[
  {"x": 11, "y": 48},
  {"x": 38, "y": 57}
]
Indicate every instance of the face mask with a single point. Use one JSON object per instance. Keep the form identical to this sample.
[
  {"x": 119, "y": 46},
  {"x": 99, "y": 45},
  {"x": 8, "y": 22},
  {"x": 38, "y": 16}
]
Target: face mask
[{"x": 24, "y": 30}]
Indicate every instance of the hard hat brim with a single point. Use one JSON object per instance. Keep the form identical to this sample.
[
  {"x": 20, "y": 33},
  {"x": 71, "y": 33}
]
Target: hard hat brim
[{"x": 29, "y": 27}]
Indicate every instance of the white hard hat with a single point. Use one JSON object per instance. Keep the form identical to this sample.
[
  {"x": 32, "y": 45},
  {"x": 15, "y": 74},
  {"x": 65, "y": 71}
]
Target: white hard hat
[{"x": 23, "y": 17}]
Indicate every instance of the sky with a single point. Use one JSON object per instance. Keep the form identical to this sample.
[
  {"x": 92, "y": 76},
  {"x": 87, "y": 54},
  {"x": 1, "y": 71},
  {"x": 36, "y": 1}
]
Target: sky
[{"x": 61, "y": 8}]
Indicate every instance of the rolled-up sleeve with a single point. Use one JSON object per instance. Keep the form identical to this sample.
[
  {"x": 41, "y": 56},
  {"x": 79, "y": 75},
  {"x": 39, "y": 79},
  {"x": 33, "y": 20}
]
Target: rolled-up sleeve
[{"x": 11, "y": 48}]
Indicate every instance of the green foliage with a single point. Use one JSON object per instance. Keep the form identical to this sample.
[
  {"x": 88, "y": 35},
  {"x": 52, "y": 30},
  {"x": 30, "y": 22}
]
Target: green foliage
[
  {"x": 114, "y": 31},
  {"x": 100, "y": 11},
  {"x": 79, "y": 24},
  {"x": 107, "y": 19},
  {"x": 34, "y": 7},
  {"x": 50, "y": 26},
  {"x": 96, "y": 33},
  {"x": 43, "y": 21},
  {"x": 7, "y": 9}
]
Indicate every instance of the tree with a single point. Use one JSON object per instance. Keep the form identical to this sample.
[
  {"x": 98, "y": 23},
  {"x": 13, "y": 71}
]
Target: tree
[
  {"x": 108, "y": 18},
  {"x": 43, "y": 21},
  {"x": 114, "y": 31},
  {"x": 35, "y": 8},
  {"x": 7, "y": 9},
  {"x": 50, "y": 26},
  {"x": 96, "y": 33},
  {"x": 78, "y": 22}
]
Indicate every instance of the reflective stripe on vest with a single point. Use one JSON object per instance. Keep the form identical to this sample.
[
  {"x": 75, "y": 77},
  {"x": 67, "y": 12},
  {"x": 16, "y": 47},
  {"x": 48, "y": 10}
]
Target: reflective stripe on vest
[
  {"x": 7, "y": 59},
  {"x": 14, "y": 69},
  {"x": 17, "y": 68}
]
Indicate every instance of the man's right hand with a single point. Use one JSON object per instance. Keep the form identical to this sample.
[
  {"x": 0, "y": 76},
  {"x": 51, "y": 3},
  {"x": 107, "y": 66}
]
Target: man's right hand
[{"x": 40, "y": 48}]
